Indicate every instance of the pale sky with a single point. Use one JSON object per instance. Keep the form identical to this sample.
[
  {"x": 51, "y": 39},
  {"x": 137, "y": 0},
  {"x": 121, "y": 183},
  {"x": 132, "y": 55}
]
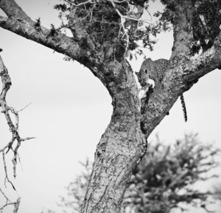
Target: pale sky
[{"x": 70, "y": 110}]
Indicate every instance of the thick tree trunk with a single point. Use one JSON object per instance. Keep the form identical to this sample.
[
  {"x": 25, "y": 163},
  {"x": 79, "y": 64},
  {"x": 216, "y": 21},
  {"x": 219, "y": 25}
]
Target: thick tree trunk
[
  {"x": 118, "y": 152},
  {"x": 121, "y": 146}
]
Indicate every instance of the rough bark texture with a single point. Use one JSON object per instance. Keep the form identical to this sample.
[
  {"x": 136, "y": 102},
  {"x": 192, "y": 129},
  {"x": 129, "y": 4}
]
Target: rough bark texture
[
  {"x": 124, "y": 142},
  {"x": 119, "y": 149}
]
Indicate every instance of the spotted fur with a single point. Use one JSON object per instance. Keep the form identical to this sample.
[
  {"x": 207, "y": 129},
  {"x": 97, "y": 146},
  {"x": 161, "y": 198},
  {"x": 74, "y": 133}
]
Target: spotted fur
[{"x": 155, "y": 70}]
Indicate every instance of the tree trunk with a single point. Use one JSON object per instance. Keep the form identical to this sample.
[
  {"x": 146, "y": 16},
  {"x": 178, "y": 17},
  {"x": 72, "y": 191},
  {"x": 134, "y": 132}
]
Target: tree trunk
[
  {"x": 121, "y": 146},
  {"x": 115, "y": 158}
]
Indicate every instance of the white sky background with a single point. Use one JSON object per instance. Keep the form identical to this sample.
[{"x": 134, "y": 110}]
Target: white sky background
[{"x": 70, "y": 110}]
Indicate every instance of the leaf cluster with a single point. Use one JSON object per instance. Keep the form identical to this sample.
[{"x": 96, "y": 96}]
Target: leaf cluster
[
  {"x": 95, "y": 25},
  {"x": 100, "y": 20},
  {"x": 204, "y": 22},
  {"x": 166, "y": 176},
  {"x": 118, "y": 23}
]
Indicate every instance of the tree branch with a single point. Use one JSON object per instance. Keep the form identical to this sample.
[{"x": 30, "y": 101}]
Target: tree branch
[
  {"x": 60, "y": 42},
  {"x": 12, "y": 9},
  {"x": 182, "y": 24},
  {"x": 15, "y": 142},
  {"x": 180, "y": 77},
  {"x": 20, "y": 23},
  {"x": 13, "y": 126},
  {"x": 9, "y": 203}
]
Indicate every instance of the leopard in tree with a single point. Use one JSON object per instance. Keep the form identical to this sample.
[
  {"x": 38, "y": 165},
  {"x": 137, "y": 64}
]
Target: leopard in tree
[{"x": 151, "y": 75}]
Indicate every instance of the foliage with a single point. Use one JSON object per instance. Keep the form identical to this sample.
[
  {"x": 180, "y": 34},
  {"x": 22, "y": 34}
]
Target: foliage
[
  {"x": 206, "y": 24},
  {"x": 116, "y": 26},
  {"x": 124, "y": 23},
  {"x": 167, "y": 174},
  {"x": 205, "y": 21},
  {"x": 163, "y": 180},
  {"x": 76, "y": 190}
]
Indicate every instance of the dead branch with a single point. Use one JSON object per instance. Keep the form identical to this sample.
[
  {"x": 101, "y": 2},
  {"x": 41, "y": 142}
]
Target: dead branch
[{"x": 16, "y": 140}]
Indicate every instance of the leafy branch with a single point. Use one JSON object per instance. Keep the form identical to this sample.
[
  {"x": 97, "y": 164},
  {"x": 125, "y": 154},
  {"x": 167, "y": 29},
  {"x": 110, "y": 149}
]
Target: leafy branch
[{"x": 118, "y": 25}]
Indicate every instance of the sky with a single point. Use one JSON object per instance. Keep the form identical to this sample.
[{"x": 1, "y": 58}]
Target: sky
[{"x": 70, "y": 109}]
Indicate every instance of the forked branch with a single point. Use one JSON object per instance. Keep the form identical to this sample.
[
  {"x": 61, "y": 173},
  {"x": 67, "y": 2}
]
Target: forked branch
[{"x": 15, "y": 142}]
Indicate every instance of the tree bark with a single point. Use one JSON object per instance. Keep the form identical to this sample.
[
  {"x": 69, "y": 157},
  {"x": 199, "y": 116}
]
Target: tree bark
[
  {"x": 120, "y": 148},
  {"x": 124, "y": 142}
]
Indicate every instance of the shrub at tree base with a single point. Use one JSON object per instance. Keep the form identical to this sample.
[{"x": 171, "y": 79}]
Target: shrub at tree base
[{"x": 164, "y": 179}]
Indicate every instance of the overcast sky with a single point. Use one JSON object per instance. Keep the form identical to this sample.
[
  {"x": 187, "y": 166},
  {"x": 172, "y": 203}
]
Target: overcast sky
[{"x": 70, "y": 110}]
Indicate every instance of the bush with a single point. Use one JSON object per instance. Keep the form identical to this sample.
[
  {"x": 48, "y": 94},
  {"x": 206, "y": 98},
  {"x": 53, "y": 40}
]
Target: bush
[{"x": 165, "y": 179}]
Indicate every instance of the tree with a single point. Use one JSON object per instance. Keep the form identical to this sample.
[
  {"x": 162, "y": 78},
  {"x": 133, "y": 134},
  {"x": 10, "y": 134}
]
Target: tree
[
  {"x": 163, "y": 181},
  {"x": 103, "y": 35},
  {"x": 166, "y": 177},
  {"x": 76, "y": 190}
]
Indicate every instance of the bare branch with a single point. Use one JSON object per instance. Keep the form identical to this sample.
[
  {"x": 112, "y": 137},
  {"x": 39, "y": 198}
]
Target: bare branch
[
  {"x": 15, "y": 142},
  {"x": 60, "y": 42},
  {"x": 6, "y": 173},
  {"x": 83, "y": 3},
  {"x": 134, "y": 16},
  {"x": 25, "y": 107},
  {"x": 9, "y": 203},
  {"x": 11, "y": 9},
  {"x": 20, "y": 23}
]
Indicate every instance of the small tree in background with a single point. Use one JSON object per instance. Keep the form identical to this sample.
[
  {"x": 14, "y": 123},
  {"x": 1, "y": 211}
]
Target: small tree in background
[
  {"x": 77, "y": 189},
  {"x": 167, "y": 175},
  {"x": 165, "y": 179}
]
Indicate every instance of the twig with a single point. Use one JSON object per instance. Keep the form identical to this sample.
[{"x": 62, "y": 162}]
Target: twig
[
  {"x": 123, "y": 19},
  {"x": 15, "y": 142},
  {"x": 9, "y": 203},
  {"x": 24, "y": 107},
  {"x": 83, "y": 3},
  {"x": 6, "y": 198},
  {"x": 6, "y": 173},
  {"x": 16, "y": 205}
]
